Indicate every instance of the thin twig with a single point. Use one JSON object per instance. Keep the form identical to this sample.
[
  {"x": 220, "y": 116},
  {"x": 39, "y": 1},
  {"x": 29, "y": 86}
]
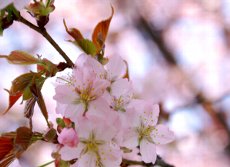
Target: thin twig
[
  {"x": 159, "y": 161},
  {"x": 45, "y": 34}
]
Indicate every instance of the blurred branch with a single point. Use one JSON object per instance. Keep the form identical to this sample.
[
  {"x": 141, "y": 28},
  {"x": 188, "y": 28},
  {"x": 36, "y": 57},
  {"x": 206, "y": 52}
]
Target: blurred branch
[
  {"x": 157, "y": 37},
  {"x": 46, "y": 35},
  {"x": 198, "y": 102},
  {"x": 159, "y": 161}
]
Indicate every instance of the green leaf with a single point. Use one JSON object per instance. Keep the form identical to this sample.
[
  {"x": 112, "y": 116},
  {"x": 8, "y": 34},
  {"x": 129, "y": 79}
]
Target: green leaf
[
  {"x": 40, "y": 101},
  {"x": 60, "y": 122},
  {"x": 87, "y": 46},
  {"x": 27, "y": 94}
]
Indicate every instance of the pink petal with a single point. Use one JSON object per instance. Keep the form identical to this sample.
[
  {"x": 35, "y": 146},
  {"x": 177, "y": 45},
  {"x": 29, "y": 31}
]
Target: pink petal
[
  {"x": 151, "y": 114},
  {"x": 121, "y": 87},
  {"x": 68, "y": 137},
  {"x": 148, "y": 151},
  {"x": 111, "y": 155},
  {"x": 162, "y": 135},
  {"x": 91, "y": 64},
  {"x": 87, "y": 160},
  {"x": 99, "y": 86},
  {"x": 73, "y": 111},
  {"x": 130, "y": 139},
  {"x": 69, "y": 153},
  {"x": 65, "y": 94},
  {"x": 116, "y": 67}
]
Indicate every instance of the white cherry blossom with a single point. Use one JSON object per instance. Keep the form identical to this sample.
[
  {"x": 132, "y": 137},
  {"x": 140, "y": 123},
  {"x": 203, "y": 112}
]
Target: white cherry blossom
[
  {"x": 143, "y": 130},
  {"x": 83, "y": 90},
  {"x": 96, "y": 147}
]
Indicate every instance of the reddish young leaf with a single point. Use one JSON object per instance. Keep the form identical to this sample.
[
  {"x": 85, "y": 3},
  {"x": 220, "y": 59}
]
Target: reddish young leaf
[
  {"x": 75, "y": 33},
  {"x": 49, "y": 68},
  {"x": 22, "y": 140},
  {"x": 6, "y": 145},
  {"x": 21, "y": 58},
  {"x": 13, "y": 144},
  {"x": 20, "y": 83},
  {"x": 6, "y": 149},
  {"x": 8, "y": 159},
  {"x": 12, "y": 100},
  {"x": 100, "y": 32}
]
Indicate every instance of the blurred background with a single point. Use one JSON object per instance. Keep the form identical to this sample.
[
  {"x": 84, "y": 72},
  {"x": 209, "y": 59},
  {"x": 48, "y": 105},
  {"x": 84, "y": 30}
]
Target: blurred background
[{"x": 178, "y": 52}]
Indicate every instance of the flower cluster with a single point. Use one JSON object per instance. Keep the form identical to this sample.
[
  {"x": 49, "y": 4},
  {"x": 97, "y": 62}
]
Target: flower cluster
[{"x": 106, "y": 119}]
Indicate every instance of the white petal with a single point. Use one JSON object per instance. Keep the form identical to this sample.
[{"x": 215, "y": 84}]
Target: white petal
[
  {"x": 111, "y": 155},
  {"x": 162, "y": 135},
  {"x": 151, "y": 114},
  {"x": 130, "y": 139},
  {"x": 121, "y": 87},
  {"x": 116, "y": 67},
  {"x": 99, "y": 87},
  {"x": 87, "y": 160},
  {"x": 73, "y": 111},
  {"x": 69, "y": 153},
  {"x": 147, "y": 111},
  {"x": 148, "y": 151},
  {"x": 92, "y": 64},
  {"x": 65, "y": 94}
]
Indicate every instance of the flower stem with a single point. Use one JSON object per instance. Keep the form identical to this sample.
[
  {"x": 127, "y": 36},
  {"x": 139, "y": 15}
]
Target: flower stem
[
  {"x": 48, "y": 163},
  {"x": 46, "y": 35}
]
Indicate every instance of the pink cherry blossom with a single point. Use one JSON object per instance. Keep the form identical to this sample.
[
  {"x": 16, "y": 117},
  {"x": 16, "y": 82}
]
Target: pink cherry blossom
[
  {"x": 68, "y": 137},
  {"x": 82, "y": 89},
  {"x": 121, "y": 93},
  {"x": 144, "y": 131},
  {"x": 96, "y": 147},
  {"x": 106, "y": 116}
]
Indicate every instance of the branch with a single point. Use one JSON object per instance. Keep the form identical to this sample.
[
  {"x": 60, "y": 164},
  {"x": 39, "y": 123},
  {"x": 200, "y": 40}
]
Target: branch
[
  {"x": 45, "y": 34},
  {"x": 159, "y": 161}
]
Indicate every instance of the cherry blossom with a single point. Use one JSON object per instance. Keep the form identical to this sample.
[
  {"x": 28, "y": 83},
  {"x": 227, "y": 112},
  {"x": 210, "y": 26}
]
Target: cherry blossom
[
  {"x": 96, "y": 147},
  {"x": 68, "y": 137},
  {"x": 107, "y": 117},
  {"x": 143, "y": 130},
  {"x": 83, "y": 90},
  {"x": 121, "y": 94}
]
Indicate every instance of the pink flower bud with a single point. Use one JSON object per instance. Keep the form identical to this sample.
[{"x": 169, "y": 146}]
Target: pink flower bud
[{"x": 68, "y": 137}]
